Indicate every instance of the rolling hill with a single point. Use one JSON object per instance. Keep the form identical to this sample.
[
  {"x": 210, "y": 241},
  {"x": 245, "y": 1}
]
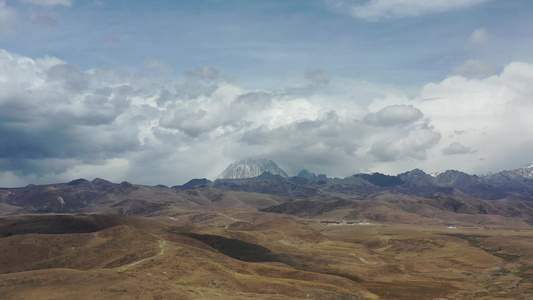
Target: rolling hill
[{"x": 367, "y": 236}]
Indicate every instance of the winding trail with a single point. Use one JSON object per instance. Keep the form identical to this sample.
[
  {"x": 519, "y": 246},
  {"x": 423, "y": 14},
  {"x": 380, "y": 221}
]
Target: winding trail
[{"x": 162, "y": 244}]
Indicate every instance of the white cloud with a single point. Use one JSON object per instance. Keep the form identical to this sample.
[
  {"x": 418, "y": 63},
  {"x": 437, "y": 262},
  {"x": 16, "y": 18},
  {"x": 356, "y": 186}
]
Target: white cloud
[
  {"x": 491, "y": 114},
  {"x": 413, "y": 145},
  {"x": 479, "y": 36},
  {"x": 376, "y": 10},
  {"x": 58, "y": 122},
  {"x": 473, "y": 68},
  {"x": 49, "y": 2},
  {"x": 394, "y": 115},
  {"x": 456, "y": 148},
  {"x": 8, "y": 18},
  {"x": 158, "y": 66},
  {"x": 204, "y": 72}
]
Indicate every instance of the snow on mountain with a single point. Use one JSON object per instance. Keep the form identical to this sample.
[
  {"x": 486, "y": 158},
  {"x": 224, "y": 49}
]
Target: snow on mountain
[
  {"x": 250, "y": 168},
  {"x": 525, "y": 171}
]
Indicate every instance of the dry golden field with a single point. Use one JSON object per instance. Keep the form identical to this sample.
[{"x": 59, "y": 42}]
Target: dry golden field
[{"x": 262, "y": 256}]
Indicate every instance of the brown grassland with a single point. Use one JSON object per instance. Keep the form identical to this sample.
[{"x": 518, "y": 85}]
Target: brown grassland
[{"x": 260, "y": 256}]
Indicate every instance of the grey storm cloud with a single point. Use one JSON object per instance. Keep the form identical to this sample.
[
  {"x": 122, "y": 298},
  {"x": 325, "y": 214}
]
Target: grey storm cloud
[
  {"x": 21, "y": 146},
  {"x": 394, "y": 115},
  {"x": 63, "y": 116},
  {"x": 40, "y": 167}
]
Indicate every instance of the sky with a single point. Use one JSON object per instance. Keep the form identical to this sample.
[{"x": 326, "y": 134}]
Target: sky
[{"x": 160, "y": 92}]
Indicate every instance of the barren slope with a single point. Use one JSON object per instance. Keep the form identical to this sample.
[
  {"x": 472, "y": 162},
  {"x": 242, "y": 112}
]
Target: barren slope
[{"x": 269, "y": 256}]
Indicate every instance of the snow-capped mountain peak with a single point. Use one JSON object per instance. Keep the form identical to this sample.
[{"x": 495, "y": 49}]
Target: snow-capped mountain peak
[
  {"x": 525, "y": 171},
  {"x": 249, "y": 168}
]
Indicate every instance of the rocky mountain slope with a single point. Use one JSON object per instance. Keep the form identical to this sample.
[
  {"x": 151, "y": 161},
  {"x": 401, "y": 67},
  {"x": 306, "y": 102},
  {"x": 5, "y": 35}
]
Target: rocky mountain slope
[{"x": 249, "y": 168}]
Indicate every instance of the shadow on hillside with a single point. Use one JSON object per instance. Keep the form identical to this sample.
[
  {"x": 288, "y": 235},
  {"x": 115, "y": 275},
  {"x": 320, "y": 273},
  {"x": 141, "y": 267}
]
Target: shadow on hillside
[
  {"x": 250, "y": 252},
  {"x": 237, "y": 249},
  {"x": 57, "y": 224}
]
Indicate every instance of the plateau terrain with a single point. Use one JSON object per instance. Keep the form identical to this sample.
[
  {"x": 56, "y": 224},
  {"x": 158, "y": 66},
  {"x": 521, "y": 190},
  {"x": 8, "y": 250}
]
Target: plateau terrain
[{"x": 270, "y": 236}]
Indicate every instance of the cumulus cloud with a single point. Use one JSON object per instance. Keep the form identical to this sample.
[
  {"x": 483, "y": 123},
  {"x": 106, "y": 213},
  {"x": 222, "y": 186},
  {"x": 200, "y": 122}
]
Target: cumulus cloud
[
  {"x": 456, "y": 148},
  {"x": 479, "y": 36},
  {"x": 249, "y": 103},
  {"x": 52, "y": 111},
  {"x": 8, "y": 17},
  {"x": 204, "y": 72},
  {"x": 158, "y": 66},
  {"x": 414, "y": 144},
  {"x": 58, "y": 123},
  {"x": 68, "y": 76},
  {"x": 319, "y": 143},
  {"x": 376, "y": 10},
  {"x": 200, "y": 82},
  {"x": 394, "y": 115},
  {"x": 490, "y": 113},
  {"x": 473, "y": 68},
  {"x": 193, "y": 89}
]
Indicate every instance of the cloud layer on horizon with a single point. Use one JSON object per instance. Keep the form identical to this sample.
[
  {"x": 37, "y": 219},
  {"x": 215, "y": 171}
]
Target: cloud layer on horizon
[
  {"x": 163, "y": 93},
  {"x": 376, "y": 10},
  {"x": 58, "y": 123}
]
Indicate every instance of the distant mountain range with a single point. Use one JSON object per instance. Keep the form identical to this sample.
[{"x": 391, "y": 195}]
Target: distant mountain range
[
  {"x": 414, "y": 182},
  {"x": 517, "y": 178},
  {"x": 307, "y": 194},
  {"x": 264, "y": 176}
]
